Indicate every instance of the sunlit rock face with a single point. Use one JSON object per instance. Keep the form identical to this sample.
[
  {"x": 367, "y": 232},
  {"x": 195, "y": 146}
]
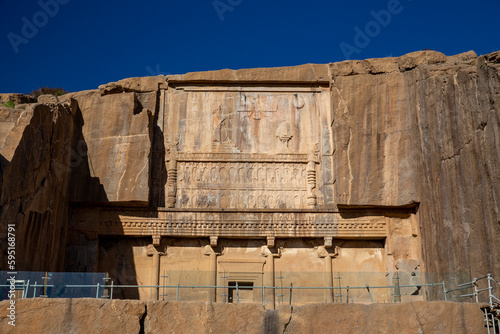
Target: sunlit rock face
[
  {"x": 373, "y": 171},
  {"x": 43, "y": 315}
]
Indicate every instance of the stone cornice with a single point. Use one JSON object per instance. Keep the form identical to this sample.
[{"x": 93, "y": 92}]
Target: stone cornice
[{"x": 243, "y": 225}]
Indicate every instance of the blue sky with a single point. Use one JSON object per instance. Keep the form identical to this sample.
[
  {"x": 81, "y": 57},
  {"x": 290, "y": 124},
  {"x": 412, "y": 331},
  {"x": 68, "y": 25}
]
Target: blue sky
[{"x": 80, "y": 45}]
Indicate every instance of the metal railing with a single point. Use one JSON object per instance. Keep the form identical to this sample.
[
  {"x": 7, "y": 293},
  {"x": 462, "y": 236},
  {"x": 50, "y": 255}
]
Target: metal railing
[
  {"x": 492, "y": 312},
  {"x": 109, "y": 289},
  {"x": 474, "y": 284}
]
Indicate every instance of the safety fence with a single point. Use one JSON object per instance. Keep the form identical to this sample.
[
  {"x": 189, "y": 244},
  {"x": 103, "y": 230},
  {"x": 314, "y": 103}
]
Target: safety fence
[
  {"x": 28, "y": 290},
  {"x": 492, "y": 310},
  {"x": 484, "y": 290},
  {"x": 99, "y": 285}
]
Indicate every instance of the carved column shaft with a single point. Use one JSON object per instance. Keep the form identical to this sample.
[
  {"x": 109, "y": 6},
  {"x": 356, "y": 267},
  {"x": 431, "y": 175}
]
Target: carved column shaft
[
  {"x": 329, "y": 278},
  {"x": 155, "y": 269},
  {"x": 171, "y": 183},
  {"x": 212, "y": 275},
  {"x": 311, "y": 183},
  {"x": 155, "y": 273},
  {"x": 269, "y": 275},
  {"x": 271, "y": 280},
  {"x": 311, "y": 176},
  {"x": 328, "y": 270}
]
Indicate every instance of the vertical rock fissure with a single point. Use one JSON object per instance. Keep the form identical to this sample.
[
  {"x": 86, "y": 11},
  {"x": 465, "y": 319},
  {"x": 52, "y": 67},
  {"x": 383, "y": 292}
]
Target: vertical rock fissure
[
  {"x": 142, "y": 319},
  {"x": 418, "y": 319},
  {"x": 289, "y": 320}
]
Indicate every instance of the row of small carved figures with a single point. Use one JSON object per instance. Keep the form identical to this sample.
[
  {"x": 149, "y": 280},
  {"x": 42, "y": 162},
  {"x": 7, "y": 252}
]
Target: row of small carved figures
[
  {"x": 241, "y": 173},
  {"x": 223, "y": 225},
  {"x": 204, "y": 199}
]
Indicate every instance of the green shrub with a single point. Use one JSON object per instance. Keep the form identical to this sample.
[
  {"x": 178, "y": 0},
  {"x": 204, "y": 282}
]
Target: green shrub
[
  {"x": 9, "y": 104},
  {"x": 48, "y": 90}
]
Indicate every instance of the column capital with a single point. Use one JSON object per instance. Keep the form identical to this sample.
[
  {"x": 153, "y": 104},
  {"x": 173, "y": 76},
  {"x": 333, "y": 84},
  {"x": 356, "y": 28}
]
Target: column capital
[
  {"x": 208, "y": 250},
  {"x": 213, "y": 241},
  {"x": 322, "y": 252},
  {"x": 151, "y": 250},
  {"x": 265, "y": 252}
]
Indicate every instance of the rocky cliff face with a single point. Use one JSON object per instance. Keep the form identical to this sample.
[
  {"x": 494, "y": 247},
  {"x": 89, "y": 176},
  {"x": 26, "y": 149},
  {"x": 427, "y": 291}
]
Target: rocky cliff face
[
  {"x": 424, "y": 128},
  {"x": 457, "y": 116},
  {"x": 80, "y": 148},
  {"x": 421, "y": 128},
  {"x": 116, "y": 316},
  {"x": 35, "y": 188}
]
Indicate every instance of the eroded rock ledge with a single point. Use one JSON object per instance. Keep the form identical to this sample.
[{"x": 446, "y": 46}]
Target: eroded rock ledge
[{"x": 127, "y": 316}]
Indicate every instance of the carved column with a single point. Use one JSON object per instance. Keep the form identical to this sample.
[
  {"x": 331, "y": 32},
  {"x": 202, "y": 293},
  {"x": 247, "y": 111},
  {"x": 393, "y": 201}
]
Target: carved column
[
  {"x": 323, "y": 253},
  {"x": 155, "y": 270},
  {"x": 269, "y": 274},
  {"x": 171, "y": 183},
  {"x": 212, "y": 281},
  {"x": 311, "y": 176},
  {"x": 171, "y": 174}
]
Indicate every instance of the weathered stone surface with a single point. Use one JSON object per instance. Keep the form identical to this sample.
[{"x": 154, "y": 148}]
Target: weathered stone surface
[
  {"x": 313, "y": 73},
  {"x": 457, "y": 118},
  {"x": 493, "y": 57},
  {"x": 116, "y": 142},
  {"x": 373, "y": 129},
  {"x": 40, "y": 315},
  {"x": 117, "y": 316},
  {"x": 12, "y": 124},
  {"x": 417, "y": 58},
  {"x": 176, "y": 317},
  {"x": 468, "y": 57},
  {"x": 141, "y": 84},
  {"x": 16, "y": 98},
  {"x": 47, "y": 99},
  {"x": 427, "y": 135},
  {"x": 368, "y": 66},
  {"x": 418, "y": 317},
  {"x": 34, "y": 191}
]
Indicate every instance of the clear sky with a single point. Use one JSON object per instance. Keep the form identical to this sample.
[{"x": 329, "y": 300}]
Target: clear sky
[{"x": 80, "y": 45}]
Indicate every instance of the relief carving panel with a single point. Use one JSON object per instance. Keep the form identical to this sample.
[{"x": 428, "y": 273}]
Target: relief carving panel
[
  {"x": 245, "y": 147},
  {"x": 241, "y": 185}
]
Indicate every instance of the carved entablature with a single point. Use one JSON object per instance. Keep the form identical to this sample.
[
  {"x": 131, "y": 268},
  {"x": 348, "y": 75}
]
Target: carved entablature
[{"x": 247, "y": 224}]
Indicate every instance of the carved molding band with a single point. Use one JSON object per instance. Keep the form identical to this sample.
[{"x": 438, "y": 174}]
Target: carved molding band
[
  {"x": 242, "y": 157},
  {"x": 270, "y": 225}
]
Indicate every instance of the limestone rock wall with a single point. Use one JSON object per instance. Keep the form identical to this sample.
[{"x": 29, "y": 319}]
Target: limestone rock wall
[
  {"x": 459, "y": 171},
  {"x": 375, "y": 159},
  {"x": 34, "y": 192},
  {"x": 117, "y": 141},
  {"x": 116, "y": 316},
  {"x": 457, "y": 116},
  {"x": 424, "y": 128},
  {"x": 53, "y": 154}
]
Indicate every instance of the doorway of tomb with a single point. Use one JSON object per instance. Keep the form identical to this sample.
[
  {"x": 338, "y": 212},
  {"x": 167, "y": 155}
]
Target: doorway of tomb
[{"x": 244, "y": 293}]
